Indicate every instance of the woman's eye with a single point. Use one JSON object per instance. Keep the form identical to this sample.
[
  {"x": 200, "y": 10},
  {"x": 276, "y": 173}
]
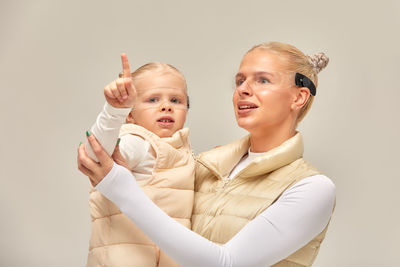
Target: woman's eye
[
  {"x": 263, "y": 80},
  {"x": 175, "y": 100},
  {"x": 239, "y": 82}
]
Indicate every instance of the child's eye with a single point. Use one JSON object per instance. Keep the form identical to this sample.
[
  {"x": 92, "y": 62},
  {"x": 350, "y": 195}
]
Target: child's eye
[
  {"x": 152, "y": 99},
  {"x": 175, "y": 100}
]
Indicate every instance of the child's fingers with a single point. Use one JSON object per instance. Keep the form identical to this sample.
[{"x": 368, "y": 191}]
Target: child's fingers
[
  {"x": 115, "y": 91},
  {"x": 108, "y": 92},
  {"x": 130, "y": 88},
  {"x": 121, "y": 88},
  {"x": 125, "y": 66}
]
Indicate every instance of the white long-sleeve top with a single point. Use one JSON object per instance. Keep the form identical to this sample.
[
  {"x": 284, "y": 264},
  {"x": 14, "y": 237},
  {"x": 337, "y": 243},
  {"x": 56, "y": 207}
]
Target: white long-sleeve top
[
  {"x": 300, "y": 213},
  {"x": 137, "y": 152}
]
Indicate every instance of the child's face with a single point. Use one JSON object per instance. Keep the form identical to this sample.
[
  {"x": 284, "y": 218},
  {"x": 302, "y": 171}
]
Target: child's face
[{"x": 161, "y": 103}]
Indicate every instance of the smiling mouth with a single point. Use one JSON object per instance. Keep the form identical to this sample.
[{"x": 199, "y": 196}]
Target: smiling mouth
[{"x": 247, "y": 107}]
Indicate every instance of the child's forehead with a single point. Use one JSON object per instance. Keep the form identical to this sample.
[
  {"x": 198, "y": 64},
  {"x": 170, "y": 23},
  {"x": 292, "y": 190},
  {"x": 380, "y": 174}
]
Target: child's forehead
[
  {"x": 161, "y": 91},
  {"x": 165, "y": 79}
]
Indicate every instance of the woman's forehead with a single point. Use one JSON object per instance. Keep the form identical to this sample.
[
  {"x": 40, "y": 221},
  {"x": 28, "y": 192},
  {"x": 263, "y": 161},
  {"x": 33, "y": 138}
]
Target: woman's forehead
[{"x": 260, "y": 60}]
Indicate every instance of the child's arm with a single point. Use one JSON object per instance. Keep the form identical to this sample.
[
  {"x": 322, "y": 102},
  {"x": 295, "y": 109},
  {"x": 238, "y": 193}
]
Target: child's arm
[
  {"x": 120, "y": 95},
  {"x": 138, "y": 154},
  {"x": 106, "y": 128}
]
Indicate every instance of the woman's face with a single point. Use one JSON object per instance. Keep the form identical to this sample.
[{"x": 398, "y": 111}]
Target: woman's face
[{"x": 264, "y": 92}]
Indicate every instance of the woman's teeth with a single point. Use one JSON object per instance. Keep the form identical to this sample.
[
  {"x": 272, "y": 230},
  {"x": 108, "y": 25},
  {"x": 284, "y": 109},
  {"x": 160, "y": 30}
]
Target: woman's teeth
[{"x": 246, "y": 107}]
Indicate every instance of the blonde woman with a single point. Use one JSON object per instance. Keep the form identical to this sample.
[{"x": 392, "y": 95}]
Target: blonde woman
[{"x": 257, "y": 201}]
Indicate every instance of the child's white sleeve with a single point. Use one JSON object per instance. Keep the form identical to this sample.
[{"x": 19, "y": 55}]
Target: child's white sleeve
[
  {"x": 106, "y": 129},
  {"x": 138, "y": 154}
]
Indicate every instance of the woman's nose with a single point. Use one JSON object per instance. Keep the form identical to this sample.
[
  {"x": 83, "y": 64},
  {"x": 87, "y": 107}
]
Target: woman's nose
[{"x": 244, "y": 89}]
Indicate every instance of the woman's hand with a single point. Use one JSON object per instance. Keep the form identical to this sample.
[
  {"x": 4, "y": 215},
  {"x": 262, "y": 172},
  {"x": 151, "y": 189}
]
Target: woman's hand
[
  {"x": 121, "y": 92},
  {"x": 118, "y": 158},
  {"x": 95, "y": 171}
]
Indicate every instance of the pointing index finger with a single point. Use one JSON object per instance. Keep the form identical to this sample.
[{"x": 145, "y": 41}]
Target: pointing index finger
[{"x": 125, "y": 66}]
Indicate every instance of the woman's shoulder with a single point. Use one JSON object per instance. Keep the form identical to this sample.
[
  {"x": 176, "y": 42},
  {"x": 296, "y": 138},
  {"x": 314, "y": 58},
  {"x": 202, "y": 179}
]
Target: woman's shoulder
[
  {"x": 317, "y": 186},
  {"x": 317, "y": 180},
  {"x": 320, "y": 179}
]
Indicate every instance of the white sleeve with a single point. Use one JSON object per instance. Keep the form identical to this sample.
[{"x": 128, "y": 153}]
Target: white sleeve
[
  {"x": 106, "y": 128},
  {"x": 300, "y": 214},
  {"x": 138, "y": 153}
]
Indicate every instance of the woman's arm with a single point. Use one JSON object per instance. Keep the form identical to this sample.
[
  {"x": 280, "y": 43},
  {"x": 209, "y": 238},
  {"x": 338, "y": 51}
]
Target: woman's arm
[
  {"x": 301, "y": 213},
  {"x": 292, "y": 221}
]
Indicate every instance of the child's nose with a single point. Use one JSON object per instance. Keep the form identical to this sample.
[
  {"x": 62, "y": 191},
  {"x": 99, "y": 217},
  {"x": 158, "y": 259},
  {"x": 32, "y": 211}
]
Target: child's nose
[{"x": 166, "y": 106}]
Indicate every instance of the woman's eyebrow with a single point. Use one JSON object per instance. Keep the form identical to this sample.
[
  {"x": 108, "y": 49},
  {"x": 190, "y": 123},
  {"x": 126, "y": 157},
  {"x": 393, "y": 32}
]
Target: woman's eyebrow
[
  {"x": 259, "y": 73},
  {"x": 239, "y": 75}
]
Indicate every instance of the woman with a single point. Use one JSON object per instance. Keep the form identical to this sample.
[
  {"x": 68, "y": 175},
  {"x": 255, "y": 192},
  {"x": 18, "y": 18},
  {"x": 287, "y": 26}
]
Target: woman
[{"x": 257, "y": 201}]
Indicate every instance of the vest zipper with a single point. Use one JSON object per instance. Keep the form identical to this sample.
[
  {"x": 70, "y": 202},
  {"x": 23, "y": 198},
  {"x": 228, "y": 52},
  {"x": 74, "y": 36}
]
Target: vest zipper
[
  {"x": 225, "y": 182},
  {"x": 157, "y": 255}
]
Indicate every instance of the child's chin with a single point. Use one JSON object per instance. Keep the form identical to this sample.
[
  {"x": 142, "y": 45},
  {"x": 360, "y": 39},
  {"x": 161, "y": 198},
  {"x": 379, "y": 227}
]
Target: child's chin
[{"x": 164, "y": 133}]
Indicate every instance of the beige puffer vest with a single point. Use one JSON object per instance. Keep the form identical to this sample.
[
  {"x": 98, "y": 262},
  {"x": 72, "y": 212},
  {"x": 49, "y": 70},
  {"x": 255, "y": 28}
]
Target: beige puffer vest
[
  {"x": 115, "y": 240},
  {"x": 222, "y": 206}
]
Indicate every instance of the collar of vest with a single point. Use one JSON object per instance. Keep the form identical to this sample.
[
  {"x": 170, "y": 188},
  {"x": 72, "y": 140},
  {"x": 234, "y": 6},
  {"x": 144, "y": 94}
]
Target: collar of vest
[
  {"x": 222, "y": 160},
  {"x": 177, "y": 140}
]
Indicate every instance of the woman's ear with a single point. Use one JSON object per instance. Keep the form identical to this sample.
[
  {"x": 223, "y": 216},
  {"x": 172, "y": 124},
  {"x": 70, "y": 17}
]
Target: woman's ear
[
  {"x": 301, "y": 97},
  {"x": 129, "y": 118}
]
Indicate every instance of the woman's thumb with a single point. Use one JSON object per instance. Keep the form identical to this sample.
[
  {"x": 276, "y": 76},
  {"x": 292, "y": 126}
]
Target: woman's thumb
[{"x": 117, "y": 156}]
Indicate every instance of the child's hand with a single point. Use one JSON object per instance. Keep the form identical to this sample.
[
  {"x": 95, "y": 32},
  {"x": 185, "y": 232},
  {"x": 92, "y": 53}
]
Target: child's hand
[{"x": 121, "y": 92}]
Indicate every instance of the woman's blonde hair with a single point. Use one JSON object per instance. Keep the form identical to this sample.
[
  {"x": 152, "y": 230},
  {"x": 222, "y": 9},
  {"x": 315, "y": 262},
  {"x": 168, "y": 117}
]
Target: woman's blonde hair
[{"x": 297, "y": 61}]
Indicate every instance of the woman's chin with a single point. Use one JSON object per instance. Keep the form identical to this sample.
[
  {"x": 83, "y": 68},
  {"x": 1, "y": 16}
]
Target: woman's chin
[{"x": 245, "y": 124}]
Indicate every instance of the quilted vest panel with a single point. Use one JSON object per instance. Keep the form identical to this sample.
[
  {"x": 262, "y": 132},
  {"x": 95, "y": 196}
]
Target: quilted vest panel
[
  {"x": 115, "y": 240},
  {"x": 222, "y": 207}
]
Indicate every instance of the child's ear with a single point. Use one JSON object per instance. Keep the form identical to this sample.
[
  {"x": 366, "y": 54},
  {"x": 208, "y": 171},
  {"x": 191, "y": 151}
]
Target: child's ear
[{"x": 129, "y": 118}]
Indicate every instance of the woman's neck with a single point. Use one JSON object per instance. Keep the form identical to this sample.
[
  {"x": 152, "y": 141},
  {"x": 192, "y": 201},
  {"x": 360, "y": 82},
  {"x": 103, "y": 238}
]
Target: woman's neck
[{"x": 268, "y": 139}]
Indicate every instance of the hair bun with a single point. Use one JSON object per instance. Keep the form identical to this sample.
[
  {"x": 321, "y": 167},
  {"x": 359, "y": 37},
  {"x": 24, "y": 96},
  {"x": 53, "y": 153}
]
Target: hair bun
[{"x": 318, "y": 61}]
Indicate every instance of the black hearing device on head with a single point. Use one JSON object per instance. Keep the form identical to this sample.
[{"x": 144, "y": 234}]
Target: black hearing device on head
[{"x": 303, "y": 81}]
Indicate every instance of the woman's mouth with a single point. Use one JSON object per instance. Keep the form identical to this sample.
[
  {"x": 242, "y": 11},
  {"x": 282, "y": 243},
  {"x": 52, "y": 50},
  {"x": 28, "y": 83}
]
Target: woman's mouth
[{"x": 245, "y": 107}]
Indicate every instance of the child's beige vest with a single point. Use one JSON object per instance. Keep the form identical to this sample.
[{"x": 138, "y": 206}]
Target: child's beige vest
[
  {"x": 222, "y": 206},
  {"x": 115, "y": 240}
]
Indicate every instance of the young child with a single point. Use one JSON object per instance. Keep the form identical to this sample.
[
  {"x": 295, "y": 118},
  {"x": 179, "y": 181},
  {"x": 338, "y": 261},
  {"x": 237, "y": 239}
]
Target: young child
[{"x": 158, "y": 153}]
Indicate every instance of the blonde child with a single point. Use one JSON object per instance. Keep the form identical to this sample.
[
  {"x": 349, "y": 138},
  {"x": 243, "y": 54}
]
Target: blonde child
[{"x": 153, "y": 102}]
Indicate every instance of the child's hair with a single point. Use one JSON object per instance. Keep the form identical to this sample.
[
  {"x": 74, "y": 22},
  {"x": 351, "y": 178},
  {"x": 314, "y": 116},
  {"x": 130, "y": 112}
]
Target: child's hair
[
  {"x": 297, "y": 61},
  {"x": 161, "y": 68}
]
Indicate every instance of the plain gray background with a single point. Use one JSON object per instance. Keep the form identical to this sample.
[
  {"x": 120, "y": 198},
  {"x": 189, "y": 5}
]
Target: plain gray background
[{"x": 56, "y": 57}]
